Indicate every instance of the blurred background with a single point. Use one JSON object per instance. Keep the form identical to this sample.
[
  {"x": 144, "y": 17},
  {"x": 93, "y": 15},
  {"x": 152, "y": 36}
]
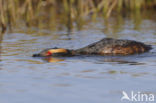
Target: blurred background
[{"x": 45, "y": 14}]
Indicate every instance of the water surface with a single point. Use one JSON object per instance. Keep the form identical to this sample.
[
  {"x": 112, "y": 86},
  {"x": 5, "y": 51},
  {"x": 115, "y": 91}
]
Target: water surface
[{"x": 85, "y": 79}]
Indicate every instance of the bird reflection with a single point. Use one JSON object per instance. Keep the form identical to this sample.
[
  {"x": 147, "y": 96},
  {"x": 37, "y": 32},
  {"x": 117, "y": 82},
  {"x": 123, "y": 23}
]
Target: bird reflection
[
  {"x": 121, "y": 61},
  {"x": 52, "y": 59},
  {"x": 96, "y": 60}
]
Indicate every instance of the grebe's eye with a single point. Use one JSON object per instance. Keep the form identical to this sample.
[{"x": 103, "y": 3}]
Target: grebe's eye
[{"x": 48, "y": 53}]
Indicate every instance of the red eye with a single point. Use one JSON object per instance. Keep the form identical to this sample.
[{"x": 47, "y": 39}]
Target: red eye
[{"x": 48, "y": 53}]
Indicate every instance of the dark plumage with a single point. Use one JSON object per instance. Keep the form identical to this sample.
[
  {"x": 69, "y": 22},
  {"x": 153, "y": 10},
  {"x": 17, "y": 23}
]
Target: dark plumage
[
  {"x": 109, "y": 46},
  {"x": 106, "y": 46}
]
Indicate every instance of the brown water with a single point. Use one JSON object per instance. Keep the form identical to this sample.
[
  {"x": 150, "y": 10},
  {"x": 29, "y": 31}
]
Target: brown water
[{"x": 83, "y": 79}]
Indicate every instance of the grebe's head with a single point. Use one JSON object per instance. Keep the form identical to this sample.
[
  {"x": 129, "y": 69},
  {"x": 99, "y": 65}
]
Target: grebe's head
[{"x": 55, "y": 52}]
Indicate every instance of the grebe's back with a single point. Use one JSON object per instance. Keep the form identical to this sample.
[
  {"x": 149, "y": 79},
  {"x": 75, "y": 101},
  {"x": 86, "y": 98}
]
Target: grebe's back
[{"x": 109, "y": 46}]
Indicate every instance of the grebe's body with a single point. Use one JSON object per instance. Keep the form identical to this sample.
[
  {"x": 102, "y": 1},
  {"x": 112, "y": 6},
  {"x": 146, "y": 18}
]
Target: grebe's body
[{"x": 106, "y": 46}]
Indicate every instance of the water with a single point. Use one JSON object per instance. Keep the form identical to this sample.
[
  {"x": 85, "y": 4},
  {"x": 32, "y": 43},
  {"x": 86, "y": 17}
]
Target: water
[{"x": 81, "y": 79}]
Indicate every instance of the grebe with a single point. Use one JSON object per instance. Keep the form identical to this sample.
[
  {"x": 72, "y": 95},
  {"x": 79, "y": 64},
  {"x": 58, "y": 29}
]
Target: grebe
[{"x": 106, "y": 46}]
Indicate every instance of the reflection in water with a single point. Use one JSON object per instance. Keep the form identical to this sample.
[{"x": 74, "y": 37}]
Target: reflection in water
[
  {"x": 111, "y": 26},
  {"x": 52, "y": 59},
  {"x": 131, "y": 63},
  {"x": 1, "y": 38},
  {"x": 120, "y": 61},
  {"x": 97, "y": 59}
]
